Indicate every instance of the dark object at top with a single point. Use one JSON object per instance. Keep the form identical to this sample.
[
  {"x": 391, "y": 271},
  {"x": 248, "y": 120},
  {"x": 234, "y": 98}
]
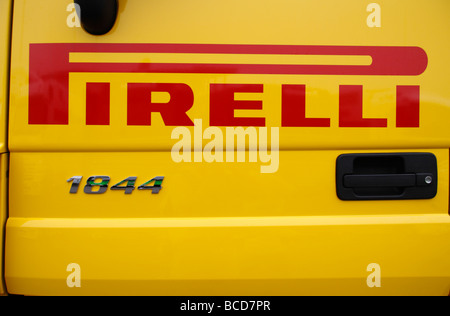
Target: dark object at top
[{"x": 97, "y": 16}]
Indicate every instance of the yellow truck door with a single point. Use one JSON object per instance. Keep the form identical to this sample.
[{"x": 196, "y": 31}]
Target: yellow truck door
[{"x": 241, "y": 147}]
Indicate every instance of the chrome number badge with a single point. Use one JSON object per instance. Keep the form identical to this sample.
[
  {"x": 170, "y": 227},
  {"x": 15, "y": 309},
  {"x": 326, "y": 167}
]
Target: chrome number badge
[{"x": 100, "y": 184}]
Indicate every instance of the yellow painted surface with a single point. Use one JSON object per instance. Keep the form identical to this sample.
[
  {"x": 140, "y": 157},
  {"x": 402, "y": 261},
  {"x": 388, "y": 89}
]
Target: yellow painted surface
[
  {"x": 5, "y": 30},
  {"x": 39, "y": 188},
  {"x": 3, "y": 209},
  {"x": 233, "y": 256},
  {"x": 287, "y": 22},
  {"x": 226, "y": 228},
  {"x": 219, "y": 58}
]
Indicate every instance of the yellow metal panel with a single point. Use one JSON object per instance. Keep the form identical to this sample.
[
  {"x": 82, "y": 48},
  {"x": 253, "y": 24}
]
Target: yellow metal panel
[
  {"x": 223, "y": 228},
  {"x": 269, "y": 22},
  {"x": 5, "y": 32},
  {"x": 5, "y": 36},
  {"x": 39, "y": 188},
  {"x": 233, "y": 256},
  {"x": 3, "y": 210}
]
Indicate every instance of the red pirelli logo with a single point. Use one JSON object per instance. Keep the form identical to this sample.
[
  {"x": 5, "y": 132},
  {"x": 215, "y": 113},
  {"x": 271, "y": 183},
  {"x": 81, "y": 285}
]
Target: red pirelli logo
[{"x": 50, "y": 67}]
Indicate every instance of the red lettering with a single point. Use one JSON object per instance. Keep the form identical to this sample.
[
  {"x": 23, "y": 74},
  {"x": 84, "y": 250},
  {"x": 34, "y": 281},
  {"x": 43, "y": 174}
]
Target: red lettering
[
  {"x": 50, "y": 67},
  {"x": 408, "y": 106},
  {"x": 97, "y": 103},
  {"x": 223, "y": 104},
  {"x": 49, "y": 84},
  {"x": 294, "y": 108},
  {"x": 140, "y": 105},
  {"x": 351, "y": 109}
]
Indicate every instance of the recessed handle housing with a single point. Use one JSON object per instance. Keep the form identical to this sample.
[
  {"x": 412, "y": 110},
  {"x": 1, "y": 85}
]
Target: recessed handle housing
[{"x": 400, "y": 176}]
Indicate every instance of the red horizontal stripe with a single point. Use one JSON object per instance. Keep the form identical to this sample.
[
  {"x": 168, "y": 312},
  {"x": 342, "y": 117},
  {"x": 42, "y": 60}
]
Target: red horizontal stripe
[{"x": 388, "y": 61}]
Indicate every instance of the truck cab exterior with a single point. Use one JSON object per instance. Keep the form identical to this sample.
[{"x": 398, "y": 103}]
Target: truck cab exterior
[{"x": 225, "y": 148}]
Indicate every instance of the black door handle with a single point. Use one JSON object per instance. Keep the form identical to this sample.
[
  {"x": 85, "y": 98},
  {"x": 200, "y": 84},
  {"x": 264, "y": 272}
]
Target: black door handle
[
  {"x": 387, "y": 180},
  {"x": 400, "y": 176}
]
